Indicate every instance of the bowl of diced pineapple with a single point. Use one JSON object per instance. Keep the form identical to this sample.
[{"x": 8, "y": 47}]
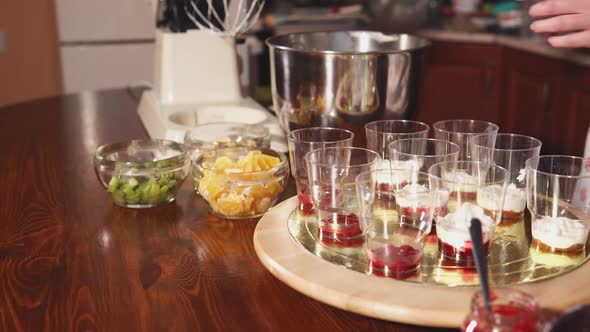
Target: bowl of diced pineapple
[{"x": 240, "y": 182}]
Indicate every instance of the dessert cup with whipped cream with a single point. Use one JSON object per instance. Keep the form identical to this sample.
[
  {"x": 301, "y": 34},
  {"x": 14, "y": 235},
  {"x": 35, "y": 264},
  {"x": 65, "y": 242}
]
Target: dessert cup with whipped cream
[
  {"x": 514, "y": 200},
  {"x": 461, "y": 132},
  {"x": 301, "y": 142},
  {"x": 463, "y": 182},
  {"x": 510, "y": 151},
  {"x": 332, "y": 173},
  {"x": 380, "y": 133},
  {"x": 557, "y": 187},
  {"x": 394, "y": 240},
  {"x": 401, "y": 171}
]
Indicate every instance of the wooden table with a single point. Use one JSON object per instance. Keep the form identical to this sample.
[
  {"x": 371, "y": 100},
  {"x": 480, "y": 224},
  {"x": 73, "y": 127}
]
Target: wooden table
[{"x": 70, "y": 260}]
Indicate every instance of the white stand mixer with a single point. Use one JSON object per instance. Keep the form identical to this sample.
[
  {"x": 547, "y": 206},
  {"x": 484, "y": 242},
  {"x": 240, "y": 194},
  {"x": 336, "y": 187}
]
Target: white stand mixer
[{"x": 196, "y": 78}]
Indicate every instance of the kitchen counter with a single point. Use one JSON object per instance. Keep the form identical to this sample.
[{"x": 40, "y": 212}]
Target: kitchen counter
[
  {"x": 71, "y": 260},
  {"x": 537, "y": 46}
]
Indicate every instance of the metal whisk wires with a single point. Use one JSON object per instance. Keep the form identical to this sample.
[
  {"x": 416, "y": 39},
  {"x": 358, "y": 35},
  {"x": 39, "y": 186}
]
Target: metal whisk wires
[{"x": 232, "y": 19}]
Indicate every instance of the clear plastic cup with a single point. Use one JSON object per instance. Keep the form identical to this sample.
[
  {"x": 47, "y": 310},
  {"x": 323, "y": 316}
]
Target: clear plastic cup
[
  {"x": 332, "y": 173},
  {"x": 510, "y": 151},
  {"x": 461, "y": 133},
  {"x": 396, "y": 217},
  {"x": 558, "y": 197},
  {"x": 301, "y": 142},
  {"x": 381, "y": 133},
  {"x": 422, "y": 152},
  {"x": 472, "y": 190}
]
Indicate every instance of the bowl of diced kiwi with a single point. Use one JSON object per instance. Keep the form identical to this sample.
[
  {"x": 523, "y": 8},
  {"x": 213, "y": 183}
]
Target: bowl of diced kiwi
[{"x": 142, "y": 173}]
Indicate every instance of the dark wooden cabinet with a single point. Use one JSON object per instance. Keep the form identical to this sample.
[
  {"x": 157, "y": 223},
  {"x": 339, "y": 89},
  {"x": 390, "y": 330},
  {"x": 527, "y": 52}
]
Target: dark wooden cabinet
[
  {"x": 572, "y": 110},
  {"x": 460, "y": 81},
  {"x": 524, "y": 93},
  {"x": 530, "y": 97}
]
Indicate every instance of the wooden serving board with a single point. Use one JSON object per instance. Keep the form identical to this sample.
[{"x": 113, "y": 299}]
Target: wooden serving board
[{"x": 384, "y": 298}]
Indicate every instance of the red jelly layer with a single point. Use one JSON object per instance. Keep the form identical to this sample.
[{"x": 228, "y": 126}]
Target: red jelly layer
[
  {"x": 514, "y": 318},
  {"x": 306, "y": 205},
  {"x": 391, "y": 187},
  {"x": 391, "y": 260},
  {"x": 354, "y": 242},
  {"x": 460, "y": 254},
  {"x": 421, "y": 210},
  {"x": 327, "y": 197},
  {"x": 343, "y": 226}
]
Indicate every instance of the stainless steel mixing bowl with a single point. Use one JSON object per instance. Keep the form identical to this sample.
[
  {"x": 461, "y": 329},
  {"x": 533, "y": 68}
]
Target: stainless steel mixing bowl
[{"x": 344, "y": 79}]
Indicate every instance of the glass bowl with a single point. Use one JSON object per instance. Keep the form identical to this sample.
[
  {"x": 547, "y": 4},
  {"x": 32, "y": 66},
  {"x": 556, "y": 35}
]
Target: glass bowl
[
  {"x": 225, "y": 135},
  {"x": 241, "y": 182},
  {"x": 142, "y": 173}
]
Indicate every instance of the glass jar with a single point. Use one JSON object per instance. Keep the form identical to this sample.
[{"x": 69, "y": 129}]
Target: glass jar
[{"x": 511, "y": 310}]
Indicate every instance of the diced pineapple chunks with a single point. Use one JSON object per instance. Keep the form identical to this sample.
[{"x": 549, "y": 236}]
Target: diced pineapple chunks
[
  {"x": 230, "y": 204},
  {"x": 231, "y": 200},
  {"x": 222, "y": 163}
]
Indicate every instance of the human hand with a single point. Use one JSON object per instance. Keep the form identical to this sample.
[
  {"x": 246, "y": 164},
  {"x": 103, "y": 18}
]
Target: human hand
[{"x": 563, "y": 16}]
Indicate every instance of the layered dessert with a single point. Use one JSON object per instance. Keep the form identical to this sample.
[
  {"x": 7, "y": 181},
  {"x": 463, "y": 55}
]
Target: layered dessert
[
  {"x": 488, "y": 198},
  {"x": 454, "y": 239},
  {"x": 400, "y": 175},
  {"x": 463, "y": 186},
  {"x": 414, "y": 202},
  {"x": 559, "y": 235}
]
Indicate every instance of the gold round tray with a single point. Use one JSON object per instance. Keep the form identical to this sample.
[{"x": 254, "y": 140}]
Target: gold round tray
[
  {"x": 512, "y": 259},
  {"x": 285, "y": 243}
]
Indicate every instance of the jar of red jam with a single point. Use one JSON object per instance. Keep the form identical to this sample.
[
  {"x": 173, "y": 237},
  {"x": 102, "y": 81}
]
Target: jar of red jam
[{"x": 511, "y": 310}]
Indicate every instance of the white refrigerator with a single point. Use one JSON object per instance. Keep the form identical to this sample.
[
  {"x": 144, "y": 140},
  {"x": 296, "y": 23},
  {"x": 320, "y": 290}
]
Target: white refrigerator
[{"x": 106, "y": 44}]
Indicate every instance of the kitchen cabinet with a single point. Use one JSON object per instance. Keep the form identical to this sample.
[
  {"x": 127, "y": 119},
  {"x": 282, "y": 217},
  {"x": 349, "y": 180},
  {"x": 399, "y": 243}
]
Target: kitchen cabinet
[
  {"x": 523, "y": 92},
  {"x": 531, "y": 97},
  {"x": 460, "y": 81},
  {"x": 573, "y": 110}
]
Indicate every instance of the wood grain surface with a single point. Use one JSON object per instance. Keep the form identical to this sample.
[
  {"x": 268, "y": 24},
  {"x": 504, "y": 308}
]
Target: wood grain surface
[{"x": 70, "y": 260}]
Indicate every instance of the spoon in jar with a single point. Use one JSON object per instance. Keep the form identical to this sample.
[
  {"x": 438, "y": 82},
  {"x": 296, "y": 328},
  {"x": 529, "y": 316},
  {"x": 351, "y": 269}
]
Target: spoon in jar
[{"x": 481, "y": 263}]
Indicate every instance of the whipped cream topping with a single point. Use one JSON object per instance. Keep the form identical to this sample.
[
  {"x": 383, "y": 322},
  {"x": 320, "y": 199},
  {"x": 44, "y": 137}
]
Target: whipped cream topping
[
  {"x": 454, "y": 227},
  {"x": 418, "y": 195},
  {"x": 413, "y": 188},
  {"x": 521, "y": 175},
  {"x": 384, "y": 164},
  {"x": 407, "y": 164},
  {"x": 488, "y": 198},
  {"x": 460, "y": 181},
  {"x": 560, "y": 232},
  {"x": 414, "y": 196},
  {"x": 396, "y": 176}
]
